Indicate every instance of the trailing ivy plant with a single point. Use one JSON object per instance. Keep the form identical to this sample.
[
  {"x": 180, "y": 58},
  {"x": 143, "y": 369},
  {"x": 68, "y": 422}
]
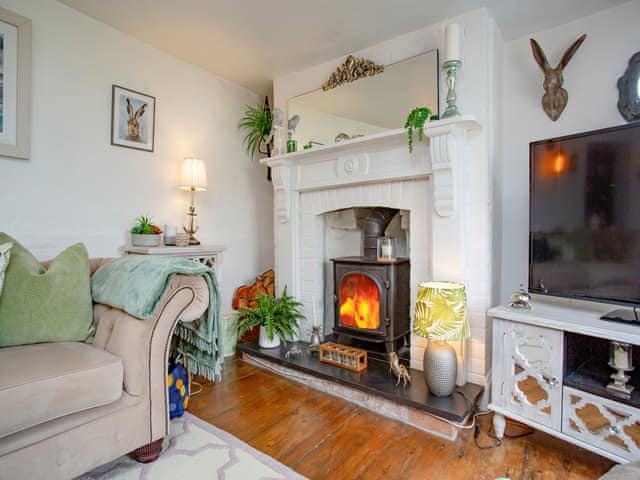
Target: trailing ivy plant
[
  {"x": 256, "y": 123},
  {"x": 415, "y": 121},
  {"x": 278, "y": 315}
]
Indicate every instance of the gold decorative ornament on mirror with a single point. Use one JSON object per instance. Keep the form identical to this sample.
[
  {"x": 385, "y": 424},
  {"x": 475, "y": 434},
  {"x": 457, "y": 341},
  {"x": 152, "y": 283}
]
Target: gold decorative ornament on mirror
[{"x": 352, "y": 69}]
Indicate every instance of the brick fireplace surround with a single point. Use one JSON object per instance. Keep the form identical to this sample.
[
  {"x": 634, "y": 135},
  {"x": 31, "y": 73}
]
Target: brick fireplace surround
[{"x": 442, "y": 186}]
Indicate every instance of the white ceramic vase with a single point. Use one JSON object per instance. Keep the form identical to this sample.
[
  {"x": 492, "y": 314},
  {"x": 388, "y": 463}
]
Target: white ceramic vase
[{"x": 264, "y": 342}]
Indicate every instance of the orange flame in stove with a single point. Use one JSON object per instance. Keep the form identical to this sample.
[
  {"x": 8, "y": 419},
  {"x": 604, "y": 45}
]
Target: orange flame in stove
[{"x": 359, "y": 302}]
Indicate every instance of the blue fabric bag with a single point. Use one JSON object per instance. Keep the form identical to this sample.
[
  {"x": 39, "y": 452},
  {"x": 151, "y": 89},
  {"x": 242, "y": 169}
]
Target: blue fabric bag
[{"x": 178, "y": 385}]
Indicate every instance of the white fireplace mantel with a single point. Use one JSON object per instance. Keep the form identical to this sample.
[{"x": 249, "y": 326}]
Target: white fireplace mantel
[
  {"x": 375, "y": 158},
  {"x": 444, "y": 185}
]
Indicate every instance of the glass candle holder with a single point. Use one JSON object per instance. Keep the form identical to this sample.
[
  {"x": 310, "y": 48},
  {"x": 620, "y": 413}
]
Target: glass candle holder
[
  {"x": 620, "y": 355},
  {"x": 182, "y": 239},
  {"x": 386, "y": 249},
  {"x": 620, "y": 359}
]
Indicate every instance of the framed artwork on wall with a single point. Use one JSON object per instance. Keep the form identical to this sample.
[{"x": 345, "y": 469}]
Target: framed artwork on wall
[
  {"x": 15, "y": 84},
  {"x": 133, "y": 116},
  {"x": 629, "y": 90}
]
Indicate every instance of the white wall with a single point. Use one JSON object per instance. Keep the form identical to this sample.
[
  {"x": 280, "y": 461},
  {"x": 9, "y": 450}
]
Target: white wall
[
  {"x": 78, "y": 188},
  {"x": 496, "y": 44},
  {"x": 590, "y": 78}
]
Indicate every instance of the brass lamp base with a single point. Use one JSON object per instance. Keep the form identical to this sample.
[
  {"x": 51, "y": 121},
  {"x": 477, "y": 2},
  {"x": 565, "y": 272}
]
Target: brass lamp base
[
  {"x": 191, "y": 229},
  {"x": 192, "y": 235}
]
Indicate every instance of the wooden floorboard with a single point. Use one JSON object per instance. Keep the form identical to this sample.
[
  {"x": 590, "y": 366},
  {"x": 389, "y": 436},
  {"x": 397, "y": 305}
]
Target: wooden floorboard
[{"x": 324, "y": 437}]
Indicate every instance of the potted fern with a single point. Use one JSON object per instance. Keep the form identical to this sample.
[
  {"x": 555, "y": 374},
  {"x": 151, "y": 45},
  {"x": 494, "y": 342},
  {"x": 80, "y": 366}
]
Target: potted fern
[
  {"x": 277, "y": 318},
  {"x": 256, "y": 124}
]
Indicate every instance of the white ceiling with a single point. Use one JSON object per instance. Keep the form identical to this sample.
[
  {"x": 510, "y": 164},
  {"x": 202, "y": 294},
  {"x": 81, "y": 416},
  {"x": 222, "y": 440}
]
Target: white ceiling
[{"x": 250, "y": 42}]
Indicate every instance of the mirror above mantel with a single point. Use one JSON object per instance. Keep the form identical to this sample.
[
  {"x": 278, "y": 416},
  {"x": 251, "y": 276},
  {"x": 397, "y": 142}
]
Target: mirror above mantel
[{"x": 368, "y": 105}]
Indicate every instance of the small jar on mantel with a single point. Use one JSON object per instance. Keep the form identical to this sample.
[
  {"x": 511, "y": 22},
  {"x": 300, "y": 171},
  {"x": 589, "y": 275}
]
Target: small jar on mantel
[{"x": 386, "y": 249}]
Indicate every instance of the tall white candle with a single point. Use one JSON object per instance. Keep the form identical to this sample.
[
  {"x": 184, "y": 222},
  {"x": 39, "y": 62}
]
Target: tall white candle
[
  {"x": 452, "y": 42},
  {"x": 313, "y": 308}
]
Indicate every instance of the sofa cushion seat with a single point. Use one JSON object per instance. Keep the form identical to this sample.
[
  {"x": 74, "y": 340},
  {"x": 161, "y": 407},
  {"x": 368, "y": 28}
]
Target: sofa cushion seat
[{"x": 45, "y": 381}]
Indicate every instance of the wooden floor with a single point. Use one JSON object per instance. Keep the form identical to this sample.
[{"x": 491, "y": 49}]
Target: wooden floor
[{"x": 324, "y": 437}]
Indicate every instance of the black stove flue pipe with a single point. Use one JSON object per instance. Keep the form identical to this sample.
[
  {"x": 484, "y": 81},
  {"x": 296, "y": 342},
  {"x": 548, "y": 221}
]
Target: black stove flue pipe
[{"x": 374, "y": 226}]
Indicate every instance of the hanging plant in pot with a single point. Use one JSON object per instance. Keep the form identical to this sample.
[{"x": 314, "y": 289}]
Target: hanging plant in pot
[
  {"x": 257, "y": 124},
  {"x": 415, "y": 121},
  {"x": 277, "y": 318}
]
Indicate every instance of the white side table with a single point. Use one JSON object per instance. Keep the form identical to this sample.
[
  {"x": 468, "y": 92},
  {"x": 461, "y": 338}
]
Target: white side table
[{"x": 210, "y": 255}]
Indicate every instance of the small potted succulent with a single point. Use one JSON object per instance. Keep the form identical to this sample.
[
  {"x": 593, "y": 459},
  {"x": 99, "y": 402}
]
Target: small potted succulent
[
  {"x": 277, "y": 318},
  {"x": 145, "y": 234}
]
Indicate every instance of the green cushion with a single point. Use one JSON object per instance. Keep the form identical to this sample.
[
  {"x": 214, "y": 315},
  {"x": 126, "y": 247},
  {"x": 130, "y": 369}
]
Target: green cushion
[{"x": 39, "y": 305}]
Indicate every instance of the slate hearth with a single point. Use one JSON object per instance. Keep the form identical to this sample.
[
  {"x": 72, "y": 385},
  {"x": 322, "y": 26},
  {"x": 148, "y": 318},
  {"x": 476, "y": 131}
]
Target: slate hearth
[{"x": 376, "y": 380}]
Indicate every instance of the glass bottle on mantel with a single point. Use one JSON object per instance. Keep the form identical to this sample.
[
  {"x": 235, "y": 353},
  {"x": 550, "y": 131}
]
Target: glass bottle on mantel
[{"x": 386, "y": 249}]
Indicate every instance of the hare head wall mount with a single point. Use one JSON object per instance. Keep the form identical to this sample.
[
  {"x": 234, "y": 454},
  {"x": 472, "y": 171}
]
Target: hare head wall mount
[{"x": 555, "y": 97}]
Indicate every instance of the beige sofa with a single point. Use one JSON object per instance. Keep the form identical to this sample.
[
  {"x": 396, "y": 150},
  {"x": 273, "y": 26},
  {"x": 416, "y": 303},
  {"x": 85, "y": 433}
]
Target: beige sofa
[{"x": 66, "y": 408}]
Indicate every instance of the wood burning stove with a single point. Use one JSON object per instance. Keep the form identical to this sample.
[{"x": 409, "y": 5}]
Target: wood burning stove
[
  {"x": 372, "y": 301},
  {"x": 372, "y": 297}
]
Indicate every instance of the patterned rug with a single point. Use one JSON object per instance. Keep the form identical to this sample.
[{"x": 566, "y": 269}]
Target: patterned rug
[{"x": 196, "y": 449}]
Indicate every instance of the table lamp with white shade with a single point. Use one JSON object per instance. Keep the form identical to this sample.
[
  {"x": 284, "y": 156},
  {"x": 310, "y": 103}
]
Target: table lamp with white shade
[
  {"x": 193, "y": 178},
  {"x": 441, "y": 316}
]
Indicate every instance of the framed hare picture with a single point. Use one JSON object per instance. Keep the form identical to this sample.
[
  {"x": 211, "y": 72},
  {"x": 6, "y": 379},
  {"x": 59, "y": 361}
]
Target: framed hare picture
[
  {"x": 15, "y": 84},
  {"x": 133, "y": 116}
]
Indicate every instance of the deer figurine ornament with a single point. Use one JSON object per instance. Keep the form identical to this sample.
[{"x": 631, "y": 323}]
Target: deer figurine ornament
[
  {"x": 555, "y": 97},
  {"x": 398, "y": 370}
]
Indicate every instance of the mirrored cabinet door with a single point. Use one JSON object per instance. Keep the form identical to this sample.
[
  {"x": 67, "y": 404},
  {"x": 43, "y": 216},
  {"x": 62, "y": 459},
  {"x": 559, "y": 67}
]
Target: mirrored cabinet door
[
  {"x": 533, "y": 373},
  {"x": 603, "y": 423}
]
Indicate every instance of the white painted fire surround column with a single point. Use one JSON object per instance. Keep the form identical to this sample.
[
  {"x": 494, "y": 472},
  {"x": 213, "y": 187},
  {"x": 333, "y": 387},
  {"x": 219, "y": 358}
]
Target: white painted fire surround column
[{"x": 377, "y": 170}]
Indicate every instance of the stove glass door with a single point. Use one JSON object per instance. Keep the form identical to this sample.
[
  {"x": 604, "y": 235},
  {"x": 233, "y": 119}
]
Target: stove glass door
[{"x": 359, "y": 302}]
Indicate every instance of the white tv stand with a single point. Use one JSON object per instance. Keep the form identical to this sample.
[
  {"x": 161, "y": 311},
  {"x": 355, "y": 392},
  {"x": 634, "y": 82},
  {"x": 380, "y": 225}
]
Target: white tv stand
[{"x": 531, "y": 384}]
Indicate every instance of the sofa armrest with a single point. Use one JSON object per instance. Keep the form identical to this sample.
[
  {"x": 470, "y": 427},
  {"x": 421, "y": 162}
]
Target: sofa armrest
[
  {"x": 143, "y": 345},
  {"x": 94, "y": 263}
]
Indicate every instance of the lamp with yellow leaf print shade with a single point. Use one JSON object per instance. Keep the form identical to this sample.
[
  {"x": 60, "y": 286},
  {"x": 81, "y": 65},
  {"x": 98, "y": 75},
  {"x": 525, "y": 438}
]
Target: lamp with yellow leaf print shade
[{"x": 441, "y": 316}]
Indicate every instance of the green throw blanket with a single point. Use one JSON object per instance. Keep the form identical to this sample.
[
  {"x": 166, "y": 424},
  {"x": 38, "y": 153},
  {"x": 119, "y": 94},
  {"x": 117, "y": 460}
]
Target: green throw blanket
[{"x": 137, "y": 283}]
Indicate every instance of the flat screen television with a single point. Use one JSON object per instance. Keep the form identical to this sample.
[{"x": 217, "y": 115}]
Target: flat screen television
[{"x": 584, "y": 236}]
